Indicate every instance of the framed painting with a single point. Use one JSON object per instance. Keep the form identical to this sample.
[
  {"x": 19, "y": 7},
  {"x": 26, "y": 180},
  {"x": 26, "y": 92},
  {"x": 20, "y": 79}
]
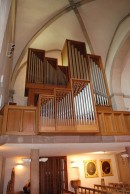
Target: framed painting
[
  {"x": 106, "y": 167},
  {"x": 90, "y": 168}
]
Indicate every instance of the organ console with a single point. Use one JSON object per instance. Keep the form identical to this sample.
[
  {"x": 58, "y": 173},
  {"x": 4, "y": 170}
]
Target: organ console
[{"x": 67, "y": 95}]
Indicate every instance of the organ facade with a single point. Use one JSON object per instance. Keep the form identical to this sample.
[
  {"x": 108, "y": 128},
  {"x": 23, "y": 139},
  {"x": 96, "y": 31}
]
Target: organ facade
[
  {"x": 71, "y": 98},
  {"x": 66, "y": 95}
]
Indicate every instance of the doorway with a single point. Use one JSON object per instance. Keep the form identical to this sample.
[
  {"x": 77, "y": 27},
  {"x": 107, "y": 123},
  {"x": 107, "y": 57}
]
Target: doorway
[{"x": 53, "y": 175}]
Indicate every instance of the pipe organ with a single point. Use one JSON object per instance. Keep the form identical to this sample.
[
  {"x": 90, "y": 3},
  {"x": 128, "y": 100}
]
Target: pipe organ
[{"x": 67, "y": 96}]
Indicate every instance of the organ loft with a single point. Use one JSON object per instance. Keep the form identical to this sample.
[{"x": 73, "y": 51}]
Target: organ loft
[{"x": 71, "y": 98}]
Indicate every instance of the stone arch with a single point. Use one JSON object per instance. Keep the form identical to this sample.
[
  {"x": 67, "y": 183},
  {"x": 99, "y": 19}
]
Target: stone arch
[{"x": 116, "y": 61}]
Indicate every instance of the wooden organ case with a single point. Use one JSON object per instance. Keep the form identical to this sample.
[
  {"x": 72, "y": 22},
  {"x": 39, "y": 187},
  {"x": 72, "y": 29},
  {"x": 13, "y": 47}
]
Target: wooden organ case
[{"x": 67, "y": 96}]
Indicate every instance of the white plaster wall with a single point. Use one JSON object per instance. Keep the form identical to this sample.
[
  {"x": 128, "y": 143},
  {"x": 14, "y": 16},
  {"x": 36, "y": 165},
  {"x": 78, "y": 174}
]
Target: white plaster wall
[
  {"x": 120, "y": 36},
  {"x": 22, "y": 175},
  {"x": 125, "y": 77},
  {"x": 74, "y": 173},
  {"x": 4, "y": 13},
  {"x": 19, "y": 88},
  {"x": 55, "y": 54},
  {"x": 125, "y": 84}
]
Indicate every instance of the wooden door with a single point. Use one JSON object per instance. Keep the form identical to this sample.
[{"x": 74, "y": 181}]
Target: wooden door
[{"x": 53, "y": 175}]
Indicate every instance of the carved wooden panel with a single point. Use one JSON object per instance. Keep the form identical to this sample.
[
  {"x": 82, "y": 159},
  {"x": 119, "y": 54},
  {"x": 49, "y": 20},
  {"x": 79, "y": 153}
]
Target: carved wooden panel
[
  {"x": 127, "y": 121},
  {"x": 14, "y": 120},
  {"x": 114, "y": 122},
  {"x": 28, "y": 121},
  {"x": 119, "y": 123},
  {"x": 18, "y": 119}
]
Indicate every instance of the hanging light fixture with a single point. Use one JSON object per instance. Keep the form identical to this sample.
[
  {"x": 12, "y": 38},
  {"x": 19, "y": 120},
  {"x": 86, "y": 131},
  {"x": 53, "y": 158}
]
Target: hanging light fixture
[
  {"x": 43, "y": 159},
  {"x": 29, "y": 159}
]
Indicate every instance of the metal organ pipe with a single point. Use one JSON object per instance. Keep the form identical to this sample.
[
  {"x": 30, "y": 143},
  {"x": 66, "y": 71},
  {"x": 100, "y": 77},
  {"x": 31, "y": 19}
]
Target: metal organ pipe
[
  {"x": 77, "y": 64},
  {"x": 86, "y": 69},
  {"x": 73, "y": 62},
  {"x": 80, "y": 65},
  {"x": 47, "y": 112},
  {"x": 100, "y": 92},
  {"x": 70, "y": 60}
]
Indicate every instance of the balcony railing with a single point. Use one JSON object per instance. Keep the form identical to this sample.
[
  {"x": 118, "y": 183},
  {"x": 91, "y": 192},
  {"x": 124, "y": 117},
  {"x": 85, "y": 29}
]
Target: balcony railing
[
  {"x": 27, "y": 121},
  {"x": 114, "y": 122},
  {"x": 19, "y": 120}
]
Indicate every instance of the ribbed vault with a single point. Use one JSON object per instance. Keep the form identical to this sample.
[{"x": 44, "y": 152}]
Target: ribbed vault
[{"x": 105, "y": 33}]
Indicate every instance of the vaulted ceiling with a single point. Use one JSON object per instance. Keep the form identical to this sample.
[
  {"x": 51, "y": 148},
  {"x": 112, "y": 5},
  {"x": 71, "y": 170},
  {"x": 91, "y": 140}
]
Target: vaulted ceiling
[{"x": 103, "y": 25}]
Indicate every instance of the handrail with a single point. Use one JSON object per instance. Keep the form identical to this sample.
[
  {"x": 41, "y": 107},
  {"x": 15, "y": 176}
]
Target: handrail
[
  {"x": 19, "y": 120},
  {"x": 114, "y": 187},
  {"x": 27, "y": 120},
  {"x": 114, "y": 122},
  {"x": 104, "y": 187},
  {"x": 88, "y": 190}
]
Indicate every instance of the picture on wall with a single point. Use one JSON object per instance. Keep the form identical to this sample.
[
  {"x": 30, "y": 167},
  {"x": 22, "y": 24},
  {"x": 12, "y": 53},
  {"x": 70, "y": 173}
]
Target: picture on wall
[
  {"x": 106, "y": 167},
  {"x": 90, "y": 168}
]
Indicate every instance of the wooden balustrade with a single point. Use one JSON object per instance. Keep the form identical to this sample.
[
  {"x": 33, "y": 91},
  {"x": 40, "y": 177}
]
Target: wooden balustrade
[
  {"x": 104, "y": 188},
  {"x": 114, "y": 122},
  {"x": 87, "y": 190},
  {"x": 19, "y": 120},
  {"x": 48, "y": 119},
  {"x": 114, "y": 188}
]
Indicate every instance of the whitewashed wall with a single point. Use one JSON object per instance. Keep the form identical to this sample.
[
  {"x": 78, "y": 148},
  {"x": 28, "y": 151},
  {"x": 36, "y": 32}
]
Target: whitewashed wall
[
  {"x": 22, "y": 175},
  {"x": 4, "y": 13},
  {"x": 74, "y": 173}
]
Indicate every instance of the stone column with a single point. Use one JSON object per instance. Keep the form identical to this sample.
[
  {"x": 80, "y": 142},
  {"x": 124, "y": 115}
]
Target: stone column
[{"x": 34, "y": 171}]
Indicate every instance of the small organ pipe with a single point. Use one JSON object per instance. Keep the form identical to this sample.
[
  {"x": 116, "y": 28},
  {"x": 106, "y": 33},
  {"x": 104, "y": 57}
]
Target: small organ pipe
[
  {"x": 76, "y": 108},
  {"x": 96, "y": 81},
  {"x": 104, "y": 89},
  {"x": 81, "y": 66},
  {"x": 86, "y": 69},
  {"x": 85, "y": 105},
  {"x": 77, "y": 64},
  {"x": 91, "y": 102},
  {"x": 99, "y": 85},
  {"x": 82, "y": 107},
  {"x": 73, "y": 61},
  {"x": 70, "y": 60}
]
